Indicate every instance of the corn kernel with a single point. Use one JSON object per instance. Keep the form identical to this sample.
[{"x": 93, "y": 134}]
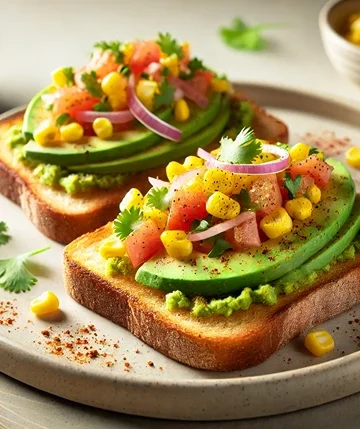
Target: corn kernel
[
  {"x": 264, "y": 157},
  {"x": 127, "y": 49},
  {"x": 319, "y": 342},
  {"x": 114, "y": 86},
  {"x": 314, "y": 194},
  {"x": 103, "y": 128},
  {"x": 71, "y": 132},
  {"x": 171, "y": 63},
  {"x": 299, "y": 208},
  {"x": 176, "y": 244},
  {"x": 182, "y": 111},
  {"x": 159, "y": 217},
  {"x": 299, "y": 152},
  {"x": 46, "y": 134},
  {"x": 146, "y": 90},
  {"x": 277, "y": 223},
  {"x": 220, "y": 85},
  {"x": 174, "y": 169},
  {"x": 46, "y": 303},
  {"x": 192, "y": 162},
  {"x": 243, "y": 181},
  {"x": 194, "y": 185},
  {"x": 59, "y": 78},
  {"x": 112, "y": 247},
  {"x": 216, "y": 152},
  {"x": 320, "y": 155},
  {"x": 222, "y": 206},
  {"x": 219, "y": 180},
  {"x": 133, "y": 198},
  {"x": 352, "y": 157}
]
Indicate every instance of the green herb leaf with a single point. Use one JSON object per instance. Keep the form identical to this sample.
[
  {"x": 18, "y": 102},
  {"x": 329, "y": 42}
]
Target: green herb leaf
[
  {"x": 313, "y": 151},
  {"x": 165, "y": 71},
  {"x": 91, "y": 84},
  {"x": 200, "y": 225},
  {"x": 194, "y": 65},
  {"x": 241, "y": 116},
  {"x": 69, "y": 75},
  {"x": 102, "y": 106},
  {"x": 62, "y": 119},
  {"x": 157, "y": 198},
  {"x": 242, "y": 150},
  {"x": 127, "y": 221},
  {"x": 4, "y": 237},
  {"x": 240, "y": 36},
  {"x": 292, "y": 185},
  {"x": 169, "y": 45},
  {"x": 219, "y": 248},
  {"x": 282, "y": 145},
  {"x": 245, "y": 201},
  {"x": 145, "y": 75},
  {"x": 166, "y": 96},
  {"x": 49, "y": 107},
  {"x": 14, "y": 272},
  {"x": 125, "y": 70},
  {"x": 113, "y": 46}
]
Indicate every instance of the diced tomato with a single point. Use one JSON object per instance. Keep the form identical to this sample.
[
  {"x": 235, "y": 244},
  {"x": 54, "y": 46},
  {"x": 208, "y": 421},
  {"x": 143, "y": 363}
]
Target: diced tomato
[
  {"x": 314, "y": 167},
  {"x": 145, "y": 52},
  {"x": 185, "y": 208},
  {"x": 244, "y": 235},
  {"x": 103, "y": 63},
  {"x": 201, "y": 81},
  {"x": 184, "y": 62},
  {"x": 265, "y": 195},
  {"x": 143, "y": 243},
  {"x": 71, "y": 100},
  {"x": 306, "y": 182}
]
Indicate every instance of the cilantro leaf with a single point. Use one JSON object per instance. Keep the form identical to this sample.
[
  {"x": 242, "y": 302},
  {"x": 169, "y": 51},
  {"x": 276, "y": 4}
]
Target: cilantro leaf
[
  {"x": 127, "y": 221},
  {"x": 14, "y": 272},
  {"x": 241, "y": 116},
  {"x": 282, "y": 145},
  {"x": 219, "y": 248},
  {"x": 242, "y": 150},
  {"x": 240, "y": 36},
  {"x": 194, "y": 65},
  {"x": 199, "y": 226},
  {"x": 125, "y": 70},
  {"x": 69, "y": 75},
  {"x": 156, "y": 198},
  {"x": 4, "y": 237},
  {"x": 313, "y": 151},
  {"x": 113, "y": 46},
  {"x": 102, "y": 106},
  {"x": 91, "y": 84},
  {"x": 169, "y": 45},
  {"x": 62, "y": 119},
  {"x": 166, "y": 96},
  {"x": 292, "y": 185},
  {"x": 245, "y": 201}
]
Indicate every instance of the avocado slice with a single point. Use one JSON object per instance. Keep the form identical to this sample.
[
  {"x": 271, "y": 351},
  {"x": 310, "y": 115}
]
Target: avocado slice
[
  {"x": 123, "y": 144},
  {"x": 163, "y": 152},
  {"x": 234, "y": 271}
]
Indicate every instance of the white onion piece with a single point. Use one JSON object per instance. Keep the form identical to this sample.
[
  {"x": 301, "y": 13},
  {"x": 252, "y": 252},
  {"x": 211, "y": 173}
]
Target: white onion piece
[
  {"x": 222, "y": 227},
  {"x": 121, "y": 117},
  {"x": 179, "y": 94},
  {"x": 189, "y": 91},
  {"x": 182, "y": 179},
  {"x": 147, "y": 118},
  {"x": 275, "y": 166},
  {"x": 157, "y": 183}
]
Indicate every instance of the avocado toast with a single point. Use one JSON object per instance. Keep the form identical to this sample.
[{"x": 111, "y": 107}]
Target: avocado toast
[
  {"x": 241, "y": 250},
  {"x": 89, "y": 137}
]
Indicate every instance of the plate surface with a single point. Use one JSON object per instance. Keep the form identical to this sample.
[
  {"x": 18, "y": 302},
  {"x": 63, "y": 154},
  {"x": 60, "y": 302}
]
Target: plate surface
[{"x": 82, "y": 357}]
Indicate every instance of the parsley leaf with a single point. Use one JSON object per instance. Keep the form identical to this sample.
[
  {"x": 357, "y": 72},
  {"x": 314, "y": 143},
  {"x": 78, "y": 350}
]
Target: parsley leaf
[
  {"x": 313, "y": 151},
  {"x": 127, "y": 221},
  {"x": 91, "y": 84},
  {"x": 156, "y": 198},
  {"x": 113, "y": 46},
  {"x": 169, "y": 45},
  {"x": 62, "y": 119},
  {"x": 4, "y": 237},
  {"x": 242, "y": 150},
  {"x": 102, "y": 106},
  {"x": 292, "y": 185},
  {"x": 14, "y": 273},
  {"x": 240, "y": 36},
  {"x": 199, "y": 226},
  {"x": 69, "y": 75},
  {"x": 166, "y": 96},
  {"x": 219, "y": 248}
]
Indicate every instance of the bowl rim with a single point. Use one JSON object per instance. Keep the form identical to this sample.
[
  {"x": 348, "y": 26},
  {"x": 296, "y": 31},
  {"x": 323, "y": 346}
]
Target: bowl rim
[{"x": 323, "y": 21}]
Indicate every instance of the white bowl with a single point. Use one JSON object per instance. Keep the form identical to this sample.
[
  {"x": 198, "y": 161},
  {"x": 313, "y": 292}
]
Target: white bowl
[{"x": 343, "y": 55}]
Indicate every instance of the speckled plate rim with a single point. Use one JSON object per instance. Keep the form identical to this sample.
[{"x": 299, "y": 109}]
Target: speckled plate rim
[{"x": 346, "y": 368}]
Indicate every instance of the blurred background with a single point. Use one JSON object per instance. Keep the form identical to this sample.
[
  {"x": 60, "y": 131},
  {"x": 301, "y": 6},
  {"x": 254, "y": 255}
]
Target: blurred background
[{"x": 37, "y": 36}]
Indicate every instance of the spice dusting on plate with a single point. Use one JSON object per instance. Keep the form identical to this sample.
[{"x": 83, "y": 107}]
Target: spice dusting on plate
[
  {"x": 327, "y": 142},
  {"x": 8, "y": 313}
]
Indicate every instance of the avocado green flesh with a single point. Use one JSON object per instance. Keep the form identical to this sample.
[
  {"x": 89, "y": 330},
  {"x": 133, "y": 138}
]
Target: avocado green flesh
[
  {"x": 234, "y": 271},
  {"x": 163, "y": 152},
  {"x": 122, "y": 144},
  {"x": 31, "y": 120}
]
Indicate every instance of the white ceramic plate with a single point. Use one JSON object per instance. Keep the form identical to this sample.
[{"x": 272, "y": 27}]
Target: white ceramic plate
[{"x": 291, "y": 379}]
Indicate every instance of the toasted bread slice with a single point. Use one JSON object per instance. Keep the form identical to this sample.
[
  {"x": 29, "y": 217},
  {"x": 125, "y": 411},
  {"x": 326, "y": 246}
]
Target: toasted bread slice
[
  {"x": 216, "y": 343},
  {"x": 63, "y": 217}
]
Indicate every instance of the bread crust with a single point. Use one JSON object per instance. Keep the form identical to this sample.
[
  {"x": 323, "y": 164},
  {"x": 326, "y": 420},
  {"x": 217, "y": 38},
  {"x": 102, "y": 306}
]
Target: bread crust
[
  {"x": 49, "y": 210},
  {"x": 215, "y": 343}
]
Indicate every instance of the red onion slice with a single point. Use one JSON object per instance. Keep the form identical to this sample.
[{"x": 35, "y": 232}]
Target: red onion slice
[
  {"x": 157, "y": 183},
  {"x": 120, "y": 117},
  {"x": 190, "y": 92},
  {"x": 148, "y": 119},
  {"x": 222, "y": 227},
  {"x": 276, "y": 166}
]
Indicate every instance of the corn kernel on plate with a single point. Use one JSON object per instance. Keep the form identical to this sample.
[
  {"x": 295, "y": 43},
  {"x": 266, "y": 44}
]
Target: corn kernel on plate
[{"x": 60, "y": 353}]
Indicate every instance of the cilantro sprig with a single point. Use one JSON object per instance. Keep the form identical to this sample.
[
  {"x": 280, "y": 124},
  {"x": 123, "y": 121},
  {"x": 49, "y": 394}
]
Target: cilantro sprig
[
  {"x": 69, "y": 75},
  {"x": 200, "y": 225},
  {"x": 127, "y": 221},
  {"x": 91, "y": 83},
  {"x": 102, "y": 106},
  {"x": 113, "y": 46},
  {"x": 241, "y": 36},
  {"x": 62, "y": 119},
  {"x": 166, "y": 96},
  {"x": 291, "y": 185},
  {"x": 243, "y": 150},
  {"x": 219, "y": 248},
  {"x": 194, "y": 65},
  {"x": 157, "y": 198},
  {"x": 4, "y": 236},
  {"x": 169, "y": 45},
  {"x": 15, "y": 275}
]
